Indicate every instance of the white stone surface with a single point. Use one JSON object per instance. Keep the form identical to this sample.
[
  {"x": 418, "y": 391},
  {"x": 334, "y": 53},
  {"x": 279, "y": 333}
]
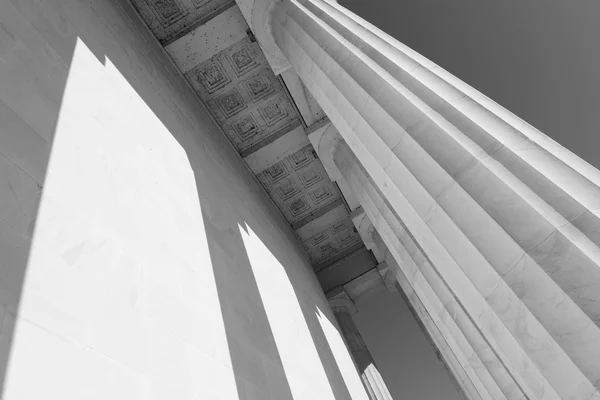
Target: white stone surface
[
  {"x": 323, "y": 137},
  {"x": 465, "y": 351},
  {"x": 452, "y": 320},
  {"x": 123, "y": 270},
  {"x": 307, "y": 105},
  {"x": 506, "y": 218},
  {"x": 349, "y": 196}
]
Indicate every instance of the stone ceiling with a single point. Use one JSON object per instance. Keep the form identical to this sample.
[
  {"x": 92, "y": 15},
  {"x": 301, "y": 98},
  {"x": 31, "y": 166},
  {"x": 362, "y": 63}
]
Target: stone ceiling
[{"x": 211, "y": 44}]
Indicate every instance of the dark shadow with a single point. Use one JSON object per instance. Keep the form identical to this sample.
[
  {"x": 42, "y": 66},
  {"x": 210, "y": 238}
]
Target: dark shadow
[
  {"x": 290, "y": 274},
  {"x": 252, "y": 346},
  {"x": 38, "y": 41},
  {"x": 431, "y": 342},
  {"x": 29, "y": 110}
]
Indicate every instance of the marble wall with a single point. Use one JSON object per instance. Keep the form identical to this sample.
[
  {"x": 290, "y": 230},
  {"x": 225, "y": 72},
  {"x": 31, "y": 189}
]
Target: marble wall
[{"x": 139, "y": 258}]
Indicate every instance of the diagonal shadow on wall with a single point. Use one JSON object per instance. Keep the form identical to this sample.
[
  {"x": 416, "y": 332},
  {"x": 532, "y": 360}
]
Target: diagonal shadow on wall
[
  {"x": 64, "y": 264},
  {"x": 33, "y": 75}
]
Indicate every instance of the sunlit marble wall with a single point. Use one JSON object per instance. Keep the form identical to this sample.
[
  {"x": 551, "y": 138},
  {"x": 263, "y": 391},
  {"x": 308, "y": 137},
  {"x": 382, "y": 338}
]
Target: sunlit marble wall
[{"x": 139, "y": 259}]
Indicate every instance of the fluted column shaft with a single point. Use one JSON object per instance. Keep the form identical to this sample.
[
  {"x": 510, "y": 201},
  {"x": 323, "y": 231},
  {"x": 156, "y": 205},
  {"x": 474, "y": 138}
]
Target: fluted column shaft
[
  {"x": 460, "y": 358},
  {"x": 343, "y": 308},
  {"x": 504, "y": 216},
  {"x": 420, "y": 282}
]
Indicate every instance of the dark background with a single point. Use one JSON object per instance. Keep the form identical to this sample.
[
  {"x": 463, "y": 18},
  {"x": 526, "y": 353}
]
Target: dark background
[
  {"x": 403, "y": 355},
  {"x": 538, "y": 58}
]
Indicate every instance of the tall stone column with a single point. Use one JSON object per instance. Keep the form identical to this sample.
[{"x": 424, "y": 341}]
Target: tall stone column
[
  {"x": 503, "y": 216},
  {"x": 343, "y": 308},
  {"x": 455, "y": 360},
  {"x": 505, "y": 341}
]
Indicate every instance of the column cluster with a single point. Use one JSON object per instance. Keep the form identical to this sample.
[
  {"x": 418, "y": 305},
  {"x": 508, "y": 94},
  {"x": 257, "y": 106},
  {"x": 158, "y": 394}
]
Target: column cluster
[{"x": 490, "y": 228}]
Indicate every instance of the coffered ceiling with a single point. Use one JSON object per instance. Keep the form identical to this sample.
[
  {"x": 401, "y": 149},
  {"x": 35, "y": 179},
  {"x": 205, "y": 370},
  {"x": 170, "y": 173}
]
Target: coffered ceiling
[{"x": 210, "y": 42}]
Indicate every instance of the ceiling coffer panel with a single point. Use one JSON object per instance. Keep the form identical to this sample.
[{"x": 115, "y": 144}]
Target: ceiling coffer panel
[
  {"x": 208, "y": 41},
  {"x": 244, "y": 95},
  {"x": 332, "y": 243},
  {"x": 171, "y": 19},
  {"x": 300, "y": 186}
]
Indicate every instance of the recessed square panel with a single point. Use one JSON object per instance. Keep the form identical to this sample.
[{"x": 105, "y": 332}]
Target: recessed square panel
[
  {"x": 310, "y": 177},
  {"x": 276, "y": 173},
  {"x": 259, "y": 87},
  {"x": 347, "y": 239},
  {"x": 339, "y": 236},
  {"x": 242, "y": 59},
  {"x": 231, "y": 103},
  {"x": 301, "y": 158},
  {"x": 212, "y": 76},
  {"x": 245, "y": 128},
  {"x": 338, "y": 227},
  {"x": 287, "y": 189},
  {"x": 327, "y": 250},
  {"x": 299, "y": 206},
  {"x": 200, "y": 3},
  {"x": 231, "y": 98},
  {"x": 167, "y": 11},
  {"x": 321, "y": 194},
  {"x": 273, "y": 112},
  {"x": 310, "y": 181},
  {"x": 319, "y": 238},
  {"x": 172, "y": 19}
]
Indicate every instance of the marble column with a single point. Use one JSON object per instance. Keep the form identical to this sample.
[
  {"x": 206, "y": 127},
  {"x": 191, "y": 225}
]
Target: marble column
[
  {"x": 343, "y": 308},
  {"x": 506, "y": 218},
  {"x": 460, "y": 358}
]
